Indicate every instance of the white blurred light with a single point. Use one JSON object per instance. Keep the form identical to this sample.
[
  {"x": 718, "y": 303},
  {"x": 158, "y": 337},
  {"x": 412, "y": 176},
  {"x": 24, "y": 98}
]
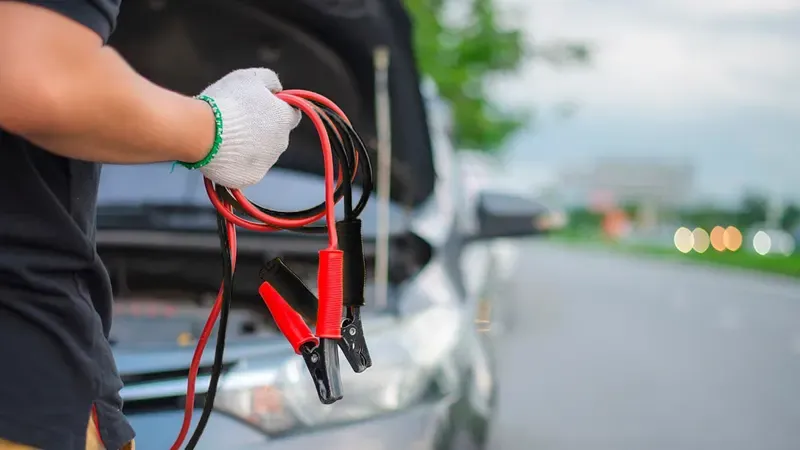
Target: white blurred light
[
  {"x": 684, "y": 240},
  {"x": 762, "y": 242},
  {"x": 789, "y": 245}
]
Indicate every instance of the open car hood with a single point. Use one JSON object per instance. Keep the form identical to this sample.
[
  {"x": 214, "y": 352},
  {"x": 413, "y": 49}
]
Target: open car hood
[{"x": 324, "y": 46}]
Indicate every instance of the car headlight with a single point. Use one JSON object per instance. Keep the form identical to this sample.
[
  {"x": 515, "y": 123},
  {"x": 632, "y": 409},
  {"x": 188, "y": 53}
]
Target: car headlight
[{"x": 409, "y": 360}]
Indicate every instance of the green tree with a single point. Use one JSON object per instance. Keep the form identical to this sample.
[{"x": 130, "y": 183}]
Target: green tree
[
  {"x": 753, "y": 209},
  {"x": 791, "y": 217},
  {"x": 459, "y": 58}
]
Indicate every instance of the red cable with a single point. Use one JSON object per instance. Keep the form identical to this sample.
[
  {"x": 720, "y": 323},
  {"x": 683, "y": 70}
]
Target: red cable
[
  {"x": 194, "y": 367},
  {"x": 314, "y": 97},
  {"x": 299, "y": 99}
]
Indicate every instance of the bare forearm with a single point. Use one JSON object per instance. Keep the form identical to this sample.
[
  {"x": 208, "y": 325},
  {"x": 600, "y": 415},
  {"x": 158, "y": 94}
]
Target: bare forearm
[
  {"x": 62, "y": 89},
  {"x": 103, "y": 111}
]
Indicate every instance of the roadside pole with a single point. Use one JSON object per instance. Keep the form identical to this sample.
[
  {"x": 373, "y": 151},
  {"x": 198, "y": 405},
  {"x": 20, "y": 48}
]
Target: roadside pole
[{"x": 384, "y": 130}]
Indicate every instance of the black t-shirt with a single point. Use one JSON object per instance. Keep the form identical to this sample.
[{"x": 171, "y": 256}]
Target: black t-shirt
[{"x": 55, "y": 294}]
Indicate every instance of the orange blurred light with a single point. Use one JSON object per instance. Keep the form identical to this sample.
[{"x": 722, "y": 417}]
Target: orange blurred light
[
  {"x": 732, "y": 238},
  {"x": 718, "y": 238},
  {"x": 185, "y": 339}
]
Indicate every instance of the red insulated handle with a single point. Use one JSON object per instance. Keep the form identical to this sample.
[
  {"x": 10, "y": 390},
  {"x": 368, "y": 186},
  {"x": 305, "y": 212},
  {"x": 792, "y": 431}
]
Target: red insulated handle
[
  {"x": 288, "y": 320},
  {"x": 331, "y": 293}
]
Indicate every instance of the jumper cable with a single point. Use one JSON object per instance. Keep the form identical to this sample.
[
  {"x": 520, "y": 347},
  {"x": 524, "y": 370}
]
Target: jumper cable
[{"x": 341, "y": 275}]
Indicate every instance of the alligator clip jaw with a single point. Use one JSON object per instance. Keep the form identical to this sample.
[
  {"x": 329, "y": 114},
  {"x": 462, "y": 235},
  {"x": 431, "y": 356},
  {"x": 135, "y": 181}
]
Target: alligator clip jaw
[
  {"x": 320, "y": 354},
  {"x": 353, "y": 343},
  {"x": 323, "y": 364}
]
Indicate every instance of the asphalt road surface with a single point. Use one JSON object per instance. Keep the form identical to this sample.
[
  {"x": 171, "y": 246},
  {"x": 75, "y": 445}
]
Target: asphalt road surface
[{"x": 605, "y": 352}]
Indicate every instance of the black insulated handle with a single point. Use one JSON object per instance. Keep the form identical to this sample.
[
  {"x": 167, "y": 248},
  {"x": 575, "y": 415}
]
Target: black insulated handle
[
  {"x": 291, "y": 288},
  {"x": 355, "y": 267},
  {"x": 322, "y": 362}
]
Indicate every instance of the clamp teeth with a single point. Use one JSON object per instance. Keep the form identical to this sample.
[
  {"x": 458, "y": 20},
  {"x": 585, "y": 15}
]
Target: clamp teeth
[
  {"x": 353, "y": 343},
  {"x": 323, "y": 364},
  {"x": 321, "y": 355}
]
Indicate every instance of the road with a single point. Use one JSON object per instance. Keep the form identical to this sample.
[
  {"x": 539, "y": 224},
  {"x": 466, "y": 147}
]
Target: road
[{"x": 610, "y": 352}]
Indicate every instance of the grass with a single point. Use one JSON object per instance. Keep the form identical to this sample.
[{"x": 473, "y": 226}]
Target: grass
[{"x": 782, "y": 265}]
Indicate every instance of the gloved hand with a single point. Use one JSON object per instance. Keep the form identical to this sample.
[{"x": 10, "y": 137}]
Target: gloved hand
[{"x": 255, "y": 127}]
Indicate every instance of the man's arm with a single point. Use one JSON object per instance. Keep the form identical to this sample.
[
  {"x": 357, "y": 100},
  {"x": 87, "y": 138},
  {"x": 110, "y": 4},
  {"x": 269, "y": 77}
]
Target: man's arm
[{"x": 62, "y": 89}]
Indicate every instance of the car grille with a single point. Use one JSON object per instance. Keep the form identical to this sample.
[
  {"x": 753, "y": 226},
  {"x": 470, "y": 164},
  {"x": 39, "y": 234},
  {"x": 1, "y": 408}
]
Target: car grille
[
  {"x": 149, "y": 377},
  {"x": 160, "y": 404},
  {"x": 164, "y": 400}
]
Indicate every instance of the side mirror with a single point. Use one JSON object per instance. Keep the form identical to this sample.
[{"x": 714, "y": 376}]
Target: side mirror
[{"x": 505, "y": 215}]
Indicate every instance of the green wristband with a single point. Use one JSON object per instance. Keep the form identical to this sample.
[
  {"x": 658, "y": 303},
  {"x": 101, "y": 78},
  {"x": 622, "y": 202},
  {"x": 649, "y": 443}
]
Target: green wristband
[{"x": 217, "y": 135}]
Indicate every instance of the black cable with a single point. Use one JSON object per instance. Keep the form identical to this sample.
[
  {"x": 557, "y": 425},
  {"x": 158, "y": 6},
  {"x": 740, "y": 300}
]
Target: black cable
[
  {"x": 356, "y": 144},
  {"x": 227, "y": 295},
  {"x": 345, "y": 145},
  {"x": 343, "y": 154},
  {"x": 350, "y": 140}
]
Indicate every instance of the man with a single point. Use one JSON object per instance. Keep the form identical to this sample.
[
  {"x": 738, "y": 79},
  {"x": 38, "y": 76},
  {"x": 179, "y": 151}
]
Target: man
[{"x": 68, "y": 103}]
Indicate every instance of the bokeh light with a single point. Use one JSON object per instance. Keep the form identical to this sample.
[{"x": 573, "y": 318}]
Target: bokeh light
[
  {"x": 701, "y": 240},
  {"x": 782, "y": 242},
  {"x": 789, "y": 245},
  {"x": 684, "y": 240},
  {"x": 762, "y": 242},
  {"x": 718, "y": 238},
  {"x": 732, "y": 238}
]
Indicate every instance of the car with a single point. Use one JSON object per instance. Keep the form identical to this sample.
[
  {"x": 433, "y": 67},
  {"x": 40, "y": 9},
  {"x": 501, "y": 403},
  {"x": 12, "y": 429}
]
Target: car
[{"x": 433, "y": 380}]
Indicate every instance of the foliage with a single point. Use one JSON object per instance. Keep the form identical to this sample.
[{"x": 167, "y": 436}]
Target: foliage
[
  {"x": 791, "y": 217},
  {"x": 460, "y": 57},
  {"x": 753, "y": 209}
]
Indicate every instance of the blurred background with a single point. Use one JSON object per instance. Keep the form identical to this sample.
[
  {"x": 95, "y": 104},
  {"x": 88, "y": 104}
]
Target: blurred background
[
  {"x": 605, "y": 258},
  {"x": 664, "y": 315},
  {"x": 636, "y": 117}
]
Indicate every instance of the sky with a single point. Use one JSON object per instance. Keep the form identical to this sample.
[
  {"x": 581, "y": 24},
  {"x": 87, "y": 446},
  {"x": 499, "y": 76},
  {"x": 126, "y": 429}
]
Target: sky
[{"x": 715, "y": 83}]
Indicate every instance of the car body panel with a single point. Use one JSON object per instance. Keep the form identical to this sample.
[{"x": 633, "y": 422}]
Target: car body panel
[
  {"x": 417, "y": 428},
  {"x": 460, "y": 276},
  {"x": 426, "y": 186}
]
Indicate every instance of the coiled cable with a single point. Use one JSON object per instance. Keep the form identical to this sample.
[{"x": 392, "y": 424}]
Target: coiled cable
[{"x": 345, "y": 157}]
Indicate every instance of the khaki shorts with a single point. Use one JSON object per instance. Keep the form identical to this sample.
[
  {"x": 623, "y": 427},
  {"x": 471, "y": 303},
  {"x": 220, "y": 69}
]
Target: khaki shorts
[{"x": 92, "y": 441}]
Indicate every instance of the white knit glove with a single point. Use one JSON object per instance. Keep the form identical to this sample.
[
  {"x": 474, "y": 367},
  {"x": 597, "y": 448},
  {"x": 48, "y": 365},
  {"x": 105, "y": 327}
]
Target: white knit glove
[{"x": 254, "y": 124}]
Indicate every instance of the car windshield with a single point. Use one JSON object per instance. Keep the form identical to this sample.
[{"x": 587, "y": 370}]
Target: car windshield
[{"x": 162, "y": 184}]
